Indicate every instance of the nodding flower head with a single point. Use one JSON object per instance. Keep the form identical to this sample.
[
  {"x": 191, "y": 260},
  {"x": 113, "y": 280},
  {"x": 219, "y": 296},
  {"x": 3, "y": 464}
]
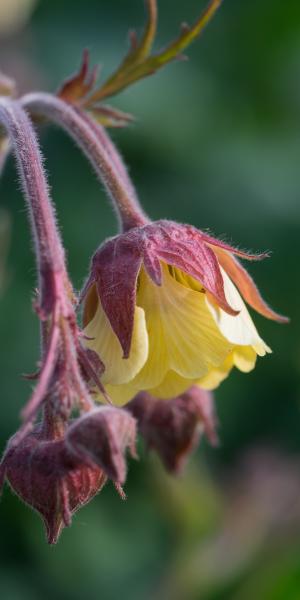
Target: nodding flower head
[{"x": 165, "y": 298}]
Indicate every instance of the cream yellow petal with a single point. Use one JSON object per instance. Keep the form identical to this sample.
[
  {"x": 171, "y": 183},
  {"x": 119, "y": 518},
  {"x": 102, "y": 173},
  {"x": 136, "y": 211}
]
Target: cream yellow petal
[
  {"x": 121, "y": 394},
  {"x": 183, "y": 336},
  {"x": 157, "y": 363},
  {"x": 240, "y": 329},
  {"x": 171, "y": 386},
  {"x": 117, "y": 369},
  {"x": 213, "y": 379},
  {"x": 244, "y": 358}
]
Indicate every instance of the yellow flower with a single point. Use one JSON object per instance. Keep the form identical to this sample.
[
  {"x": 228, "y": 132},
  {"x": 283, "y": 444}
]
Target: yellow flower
[
  {"x": 180, "y": 337},
  {"x": 163, "y": 312}
]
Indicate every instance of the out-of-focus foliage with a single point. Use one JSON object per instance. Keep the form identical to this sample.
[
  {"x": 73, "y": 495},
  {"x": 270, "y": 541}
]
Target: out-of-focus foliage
[
  {"x": 216, "y": 144},
  {"x": 5, "y": 227},
  {"x": 14, "y": 14}
]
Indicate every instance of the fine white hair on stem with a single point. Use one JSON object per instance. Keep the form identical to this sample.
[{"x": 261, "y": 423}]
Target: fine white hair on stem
[
  {"x": 98, "y": 148},
  {"x": 60, "y": 336},
  {"x": 29, "y": 160}
]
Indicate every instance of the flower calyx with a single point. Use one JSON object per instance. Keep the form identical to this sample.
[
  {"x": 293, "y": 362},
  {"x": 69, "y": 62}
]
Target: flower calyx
[
  {"x": 101, "y": 437},
  {"x": 49, "y": 479},
  {"x": 56, "y": 472},
  {"x": 173, "y": 427},
  {"x": 117, "y": 263}
]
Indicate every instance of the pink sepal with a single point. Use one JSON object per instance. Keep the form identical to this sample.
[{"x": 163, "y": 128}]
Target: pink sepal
[
  {"x": 115, "y": 270},
  {"x": 101, "y": 437},
  {"x": 247, "y": 287},
  {"x": 173, "y": 427},
  {"x": 50, "y": 480},
  {"x": 116, "y": 266}
]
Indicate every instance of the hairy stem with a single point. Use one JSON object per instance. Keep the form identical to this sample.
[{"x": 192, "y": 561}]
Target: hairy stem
[
  {"x": 49, "y": 250},
  {"x": 115, "y": 156},
  {"x": 98, "y": 148},
  {"x": 56, "y": 295}
]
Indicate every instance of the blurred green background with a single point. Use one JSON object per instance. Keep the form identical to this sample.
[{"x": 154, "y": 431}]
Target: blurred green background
[{"x": 217, "y": 144}]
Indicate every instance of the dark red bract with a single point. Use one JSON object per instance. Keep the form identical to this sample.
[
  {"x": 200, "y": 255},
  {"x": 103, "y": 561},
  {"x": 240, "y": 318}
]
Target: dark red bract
[
  {"x": 173, "y": 427},
  {"x": 44, "y": 475},
  {"x": 101, "y": 437}
]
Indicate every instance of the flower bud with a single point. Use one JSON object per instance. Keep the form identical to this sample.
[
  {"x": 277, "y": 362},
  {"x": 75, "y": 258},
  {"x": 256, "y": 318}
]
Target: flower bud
[
  {"x": 49, "y": 480},
  {"x": 173, "y": 427},
  {"x": 101, "y": 437}
]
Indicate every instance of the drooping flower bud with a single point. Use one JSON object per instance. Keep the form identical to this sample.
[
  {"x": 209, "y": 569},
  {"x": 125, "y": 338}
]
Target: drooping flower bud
[
  {"x": 101, "y": 437},
  {"x": 173, "y": 427},
  {"x": 51, "y": 481},
  {"x": 163, "y": 297}
]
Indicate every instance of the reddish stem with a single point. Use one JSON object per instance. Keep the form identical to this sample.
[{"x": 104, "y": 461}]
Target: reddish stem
[
  {"x": 49, "y": 249},
  {"x": 60, "y": 338},
  {"x": 114, "y": 154},
  {"x": 99, "y": 149}
]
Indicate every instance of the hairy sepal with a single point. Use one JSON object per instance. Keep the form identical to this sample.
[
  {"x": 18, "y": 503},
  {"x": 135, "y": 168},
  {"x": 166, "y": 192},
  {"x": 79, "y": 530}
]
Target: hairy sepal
[{"x": 117, "y": 263}]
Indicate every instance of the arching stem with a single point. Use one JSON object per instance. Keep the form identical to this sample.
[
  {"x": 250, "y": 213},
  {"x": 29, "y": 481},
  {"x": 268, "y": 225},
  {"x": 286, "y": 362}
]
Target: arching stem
[
  {"x": 49, "y": 249},
  {"x": 60, "y": 336},
  {"x": 98, "y": 148}
]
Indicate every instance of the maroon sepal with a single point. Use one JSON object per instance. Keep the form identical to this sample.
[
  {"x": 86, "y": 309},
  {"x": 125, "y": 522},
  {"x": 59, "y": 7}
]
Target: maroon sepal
[
  {"x": 173, "y": 427},
  {"x": 101, "y": 437},
  {"x": 51, "y": 481},
  {"x": 247, "y": 287},
  {"x": 116, "y": 265},
  {"x": 76, "y": 87}
]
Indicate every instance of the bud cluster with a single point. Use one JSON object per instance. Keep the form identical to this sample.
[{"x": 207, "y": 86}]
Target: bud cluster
[{"x": 57, "y": 473}]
